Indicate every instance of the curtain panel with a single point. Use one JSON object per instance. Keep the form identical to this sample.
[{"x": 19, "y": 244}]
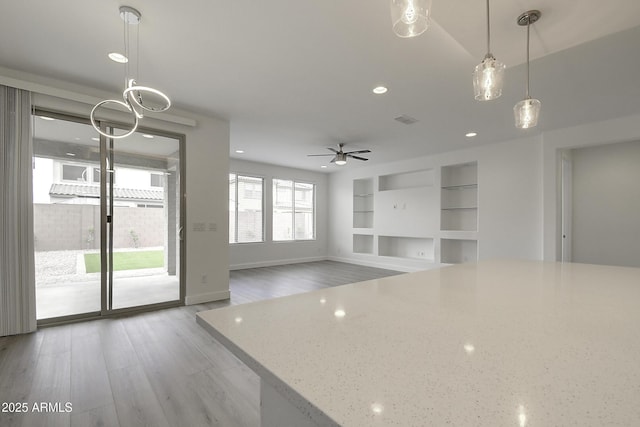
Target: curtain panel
[{"x": 17, "y": 276}]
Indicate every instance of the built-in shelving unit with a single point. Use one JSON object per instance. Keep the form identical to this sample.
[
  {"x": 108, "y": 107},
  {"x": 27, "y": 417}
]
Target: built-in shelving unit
[
  {"x": 406, "y": 247},
  {"x": 420, "y": 218},
  {"x": 455, "y": 251},
  {"x": 459, "y": 213},
  {"x": 363, "y": 244},
  {"x": 459, "y": 197},
  {"x": 363, "y": 203},
  {"x": 414, "y": 179}
]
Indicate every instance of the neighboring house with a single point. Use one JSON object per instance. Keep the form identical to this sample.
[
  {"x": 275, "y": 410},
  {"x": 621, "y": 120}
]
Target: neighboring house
[{"x": 71, "y": 182}]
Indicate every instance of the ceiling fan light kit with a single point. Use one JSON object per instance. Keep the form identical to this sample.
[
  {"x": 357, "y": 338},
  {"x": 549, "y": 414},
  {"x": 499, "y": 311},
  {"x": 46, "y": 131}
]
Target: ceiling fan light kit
[
  {"x": 133, "y": 101},
  {"x": 340, "y": 156}
]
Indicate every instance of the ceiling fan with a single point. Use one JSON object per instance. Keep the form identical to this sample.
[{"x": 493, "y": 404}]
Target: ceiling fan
[{"x": 340, "y": 157}]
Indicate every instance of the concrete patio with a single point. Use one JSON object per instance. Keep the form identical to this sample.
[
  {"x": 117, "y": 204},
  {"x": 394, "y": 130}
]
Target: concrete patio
[{"x": 63, "y": 288}]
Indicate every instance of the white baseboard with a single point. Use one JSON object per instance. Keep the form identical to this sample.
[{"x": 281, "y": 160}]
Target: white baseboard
[
  {"x": 207, "y": 297},
  {"x": 275, "y": 262},
  {"x": 383, "y": 263}
]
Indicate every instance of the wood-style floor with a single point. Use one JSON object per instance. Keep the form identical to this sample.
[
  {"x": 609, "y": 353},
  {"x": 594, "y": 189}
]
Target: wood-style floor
[{"x": 153, "y": 369}]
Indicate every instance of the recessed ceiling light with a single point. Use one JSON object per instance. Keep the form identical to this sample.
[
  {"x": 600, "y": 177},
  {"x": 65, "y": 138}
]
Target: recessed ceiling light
[
  {"x": 46, "y": 118},
  {"x": 95, "y": 138},
  {"x": 70, "y": 154},
  {"x": 379, "y": 90},
  {"x": 118, "y": 57},
  {"x": 323, "y": 166},
  {"x": 377, "y": 408},
  {"x": 146, "y": 135},
  {"x": 239, "y": 151},
  {"x": 339, "y": 314},
  {"x": 471, "y": 134}
]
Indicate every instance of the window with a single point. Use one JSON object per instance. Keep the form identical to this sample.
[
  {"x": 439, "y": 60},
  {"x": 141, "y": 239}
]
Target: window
[
  {"x": 157, "y": 180},
  {"x": 293, "y": 210},
  {"x": 74, "y": 173},
  {"x": 245, "y": 209}
]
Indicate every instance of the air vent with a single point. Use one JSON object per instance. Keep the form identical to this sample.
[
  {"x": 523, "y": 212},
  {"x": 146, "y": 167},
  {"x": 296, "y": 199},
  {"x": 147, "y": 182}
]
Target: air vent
[{"x": 407, "y": 120}]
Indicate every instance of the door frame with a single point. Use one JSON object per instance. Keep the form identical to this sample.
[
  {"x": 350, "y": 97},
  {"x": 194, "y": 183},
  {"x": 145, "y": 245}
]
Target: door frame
[{"x": 182, "y": 252}]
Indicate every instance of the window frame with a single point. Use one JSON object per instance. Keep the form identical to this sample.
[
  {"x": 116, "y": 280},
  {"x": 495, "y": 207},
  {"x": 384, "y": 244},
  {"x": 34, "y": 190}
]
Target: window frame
[
  {"x": 293, "y": 209},
  {"x": 262, "y": 203}
]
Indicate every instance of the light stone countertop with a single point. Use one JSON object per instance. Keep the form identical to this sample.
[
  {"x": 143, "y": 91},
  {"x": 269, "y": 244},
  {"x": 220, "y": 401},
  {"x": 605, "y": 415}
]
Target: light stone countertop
[{"x": 497, "y": 343}]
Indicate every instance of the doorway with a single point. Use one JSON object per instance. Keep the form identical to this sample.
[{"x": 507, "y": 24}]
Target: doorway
[
  {"x": 107, "y": 219},
  {"x": 600, "y": 200}
]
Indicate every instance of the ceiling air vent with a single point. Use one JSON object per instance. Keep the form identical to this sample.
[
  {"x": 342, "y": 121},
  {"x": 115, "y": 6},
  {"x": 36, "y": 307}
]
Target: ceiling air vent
[{"x": 407, "y": 120}]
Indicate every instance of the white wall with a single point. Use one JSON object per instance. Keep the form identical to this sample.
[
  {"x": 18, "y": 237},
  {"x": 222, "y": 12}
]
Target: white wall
[
  {"x": 606, "y": 204},
  {"x": 509, "y": 201},
  {"x": 247, "y": 255},
  {"x": 207, "y": 165}
]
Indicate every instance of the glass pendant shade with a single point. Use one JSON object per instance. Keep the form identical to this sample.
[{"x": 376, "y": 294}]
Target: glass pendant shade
[
  {"x": 488, "y": 78},
  {"x": 526, "y": 113},
  {"x": 410, "y": 18}
]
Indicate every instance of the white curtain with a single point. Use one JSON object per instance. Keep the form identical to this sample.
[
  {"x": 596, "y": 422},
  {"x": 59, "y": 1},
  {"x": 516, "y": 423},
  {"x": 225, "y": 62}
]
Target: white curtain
[{"x": 17, "y": 277}]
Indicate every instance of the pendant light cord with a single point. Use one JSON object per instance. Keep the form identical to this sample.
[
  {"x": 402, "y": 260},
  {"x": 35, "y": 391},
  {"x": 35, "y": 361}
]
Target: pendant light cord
[
  {"x": 488, "y": 31},
  {"x": 528, "y": 26}
]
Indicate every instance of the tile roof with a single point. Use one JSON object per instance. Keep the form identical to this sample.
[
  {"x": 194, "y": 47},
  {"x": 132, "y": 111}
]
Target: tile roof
[{"x": 83, "y": 190}]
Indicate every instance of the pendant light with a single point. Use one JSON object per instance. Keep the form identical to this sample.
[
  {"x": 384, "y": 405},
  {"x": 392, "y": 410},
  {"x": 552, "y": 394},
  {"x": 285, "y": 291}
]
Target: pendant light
[
  {"x": 410, "y": 18},
  {"x": 133, "y": 101},
  {"x": 489, "y": 74},
  {"x": 527, "y": 111}
]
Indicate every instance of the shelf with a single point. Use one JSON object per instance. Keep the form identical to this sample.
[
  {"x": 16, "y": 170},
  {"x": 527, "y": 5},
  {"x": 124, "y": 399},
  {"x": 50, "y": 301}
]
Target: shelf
[
  {"x": 362, "y": 203},
  {"x": 456, "y": 251},
  {"x": 417, "y": 248},
  {"x": 459, "y": 198},
  {"x": 363, "y": 244},
  {"x": 414, "y": 179},
  {"x": 460, "y": 175},
  {"x": 460, "y": 187},
  {"x": 459, "y": 208}
]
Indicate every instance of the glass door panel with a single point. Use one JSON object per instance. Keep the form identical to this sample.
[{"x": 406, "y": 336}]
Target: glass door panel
[
  {"x": 143, "y": 207},
  {"x": 66, "y": 216}
]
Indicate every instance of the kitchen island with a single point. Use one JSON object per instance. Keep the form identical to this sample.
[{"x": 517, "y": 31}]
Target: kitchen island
[{"x": 494, "y": 343}]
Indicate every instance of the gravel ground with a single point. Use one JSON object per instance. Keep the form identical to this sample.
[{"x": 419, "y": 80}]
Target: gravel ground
[{"x": 55, "y": 268}]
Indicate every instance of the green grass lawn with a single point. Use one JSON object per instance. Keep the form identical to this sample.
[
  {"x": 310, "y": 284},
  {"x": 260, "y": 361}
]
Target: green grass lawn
[{"x": 126, "y": 260}]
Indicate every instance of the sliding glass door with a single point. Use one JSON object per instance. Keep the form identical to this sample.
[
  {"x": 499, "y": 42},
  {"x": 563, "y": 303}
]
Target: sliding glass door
[
  {"x": 107, "y": 216},
  {"x": 66, "y": 216},
  {"x": 143, "y": 211}
]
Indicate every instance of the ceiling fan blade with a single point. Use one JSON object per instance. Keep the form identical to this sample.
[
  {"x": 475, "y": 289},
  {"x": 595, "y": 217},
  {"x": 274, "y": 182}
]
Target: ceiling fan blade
[
  {"x": 356, "y": 157},
  {"x": 313, "y": 155},
  {"x": 333, "y": 160},
  {"x": 332, "y": 149},
  {"x": 357, "y": 152}
]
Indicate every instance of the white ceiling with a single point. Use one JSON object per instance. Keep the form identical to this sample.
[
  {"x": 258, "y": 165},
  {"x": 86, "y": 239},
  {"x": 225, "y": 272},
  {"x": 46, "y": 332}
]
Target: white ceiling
[{"x": 294, "y": 77}]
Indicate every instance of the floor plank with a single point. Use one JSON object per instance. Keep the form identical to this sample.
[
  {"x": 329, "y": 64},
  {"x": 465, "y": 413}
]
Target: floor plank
[
  {"x": 158, "y": 368},
  {"x": 104, "y": 416},
  {"x": 136, "y": 403},
  {"x": 90, "y": 386}
]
